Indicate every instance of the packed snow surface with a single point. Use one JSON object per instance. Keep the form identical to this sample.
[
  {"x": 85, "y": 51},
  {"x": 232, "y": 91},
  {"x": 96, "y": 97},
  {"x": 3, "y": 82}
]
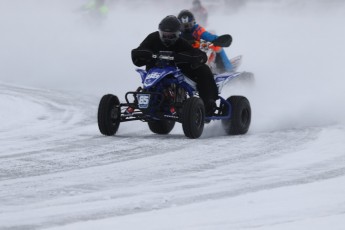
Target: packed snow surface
[{"x": 58, "y": 172}]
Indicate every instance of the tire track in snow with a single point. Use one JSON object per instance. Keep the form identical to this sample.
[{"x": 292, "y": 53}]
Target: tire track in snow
[{"x": 74, "y": 167}]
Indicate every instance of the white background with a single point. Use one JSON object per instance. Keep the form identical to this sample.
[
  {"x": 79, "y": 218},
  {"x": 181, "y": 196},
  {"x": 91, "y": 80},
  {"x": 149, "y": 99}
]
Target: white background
[{"x": 57, "y": 171}]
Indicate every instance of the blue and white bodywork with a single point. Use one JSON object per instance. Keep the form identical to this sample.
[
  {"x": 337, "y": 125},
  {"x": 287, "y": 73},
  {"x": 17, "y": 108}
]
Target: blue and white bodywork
[
  {"x": 156, "y": 75},
  {"x": 225, "y": 78}
]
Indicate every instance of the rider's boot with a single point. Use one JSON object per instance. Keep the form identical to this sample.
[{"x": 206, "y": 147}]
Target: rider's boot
[{"x": 210, "y": 108}]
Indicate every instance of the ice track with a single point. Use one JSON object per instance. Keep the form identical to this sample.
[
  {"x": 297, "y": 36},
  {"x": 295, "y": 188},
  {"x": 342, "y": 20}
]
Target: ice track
[{"x": 57, "y": 169}]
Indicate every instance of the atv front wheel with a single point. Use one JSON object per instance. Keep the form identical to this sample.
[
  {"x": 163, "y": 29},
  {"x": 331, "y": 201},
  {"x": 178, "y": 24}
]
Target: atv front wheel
[
  {"x": 161, "y": 126},
  {"x": 193, "y": 117},
  {"x": 239, "y": 121},
  {"x": 109, "y": 115}
]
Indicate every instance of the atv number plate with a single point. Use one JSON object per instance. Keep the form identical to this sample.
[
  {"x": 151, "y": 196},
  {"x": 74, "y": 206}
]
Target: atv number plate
[{"x": 143, "y": 101}]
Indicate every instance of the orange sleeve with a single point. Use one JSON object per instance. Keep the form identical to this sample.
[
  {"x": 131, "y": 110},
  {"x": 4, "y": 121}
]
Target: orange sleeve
[{"x": 198, "y": 32}]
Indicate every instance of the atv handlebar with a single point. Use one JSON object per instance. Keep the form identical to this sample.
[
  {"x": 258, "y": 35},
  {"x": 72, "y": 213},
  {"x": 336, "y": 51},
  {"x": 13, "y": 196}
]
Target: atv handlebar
[
  {"x": 164, "y": 58},
  {"x": 164, "y": 55}
]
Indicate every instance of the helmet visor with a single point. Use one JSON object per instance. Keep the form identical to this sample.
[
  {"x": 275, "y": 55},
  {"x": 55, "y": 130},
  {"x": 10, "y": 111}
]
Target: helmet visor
[{"x": 169, "y": 38}]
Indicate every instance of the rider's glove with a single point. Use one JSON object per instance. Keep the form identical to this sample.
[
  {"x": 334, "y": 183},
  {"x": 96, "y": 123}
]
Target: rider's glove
[
  {"x": 185, "y": 57},
  {"x": 180, "y": 58},
  {"x": 141, "y": 57}
]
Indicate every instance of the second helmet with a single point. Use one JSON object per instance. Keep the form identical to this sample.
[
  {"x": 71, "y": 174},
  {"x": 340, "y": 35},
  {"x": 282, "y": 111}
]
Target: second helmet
[{"x": 187, "y": 20}]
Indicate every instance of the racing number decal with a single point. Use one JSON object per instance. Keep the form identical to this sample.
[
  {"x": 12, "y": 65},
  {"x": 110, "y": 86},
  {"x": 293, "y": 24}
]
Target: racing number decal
[
  {"x": 143, "y": 101},
  {"x": 151, "y": 78}
]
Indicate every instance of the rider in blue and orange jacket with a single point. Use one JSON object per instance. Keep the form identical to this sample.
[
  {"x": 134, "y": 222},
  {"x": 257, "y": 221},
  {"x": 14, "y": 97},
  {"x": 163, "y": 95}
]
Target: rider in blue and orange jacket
[{"x": 193, "y": 32}]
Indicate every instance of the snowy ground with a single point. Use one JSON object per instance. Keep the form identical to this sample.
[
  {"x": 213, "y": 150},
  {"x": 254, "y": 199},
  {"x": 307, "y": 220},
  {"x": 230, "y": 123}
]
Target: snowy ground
[{"x": 58, "y": 172}]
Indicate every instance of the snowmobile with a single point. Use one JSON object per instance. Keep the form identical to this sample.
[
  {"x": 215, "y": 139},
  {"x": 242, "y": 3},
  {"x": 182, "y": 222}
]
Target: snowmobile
[{"x": 167, "y": 96}]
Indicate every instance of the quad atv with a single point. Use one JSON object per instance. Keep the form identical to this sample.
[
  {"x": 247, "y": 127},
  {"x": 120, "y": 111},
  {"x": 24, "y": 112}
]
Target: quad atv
[{"x": 167, "y": 96}]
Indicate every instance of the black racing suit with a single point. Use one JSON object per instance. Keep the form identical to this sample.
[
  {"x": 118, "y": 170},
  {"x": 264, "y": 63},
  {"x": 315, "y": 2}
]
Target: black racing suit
[{"x": 193, "y": 64}]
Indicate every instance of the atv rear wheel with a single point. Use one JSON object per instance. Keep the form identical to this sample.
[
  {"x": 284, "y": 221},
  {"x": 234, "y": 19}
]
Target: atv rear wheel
[
  {"x": 109, "y": 115},
  {"x": 161, "y": 126},
  {"x": 239, "y": 121},
  {"x": 193, "y": 117}
]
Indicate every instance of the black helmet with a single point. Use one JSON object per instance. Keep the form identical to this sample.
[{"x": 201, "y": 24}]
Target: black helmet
[
  {"x": 169, "y": 30},
  {"x": 187, "y": 20}
]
